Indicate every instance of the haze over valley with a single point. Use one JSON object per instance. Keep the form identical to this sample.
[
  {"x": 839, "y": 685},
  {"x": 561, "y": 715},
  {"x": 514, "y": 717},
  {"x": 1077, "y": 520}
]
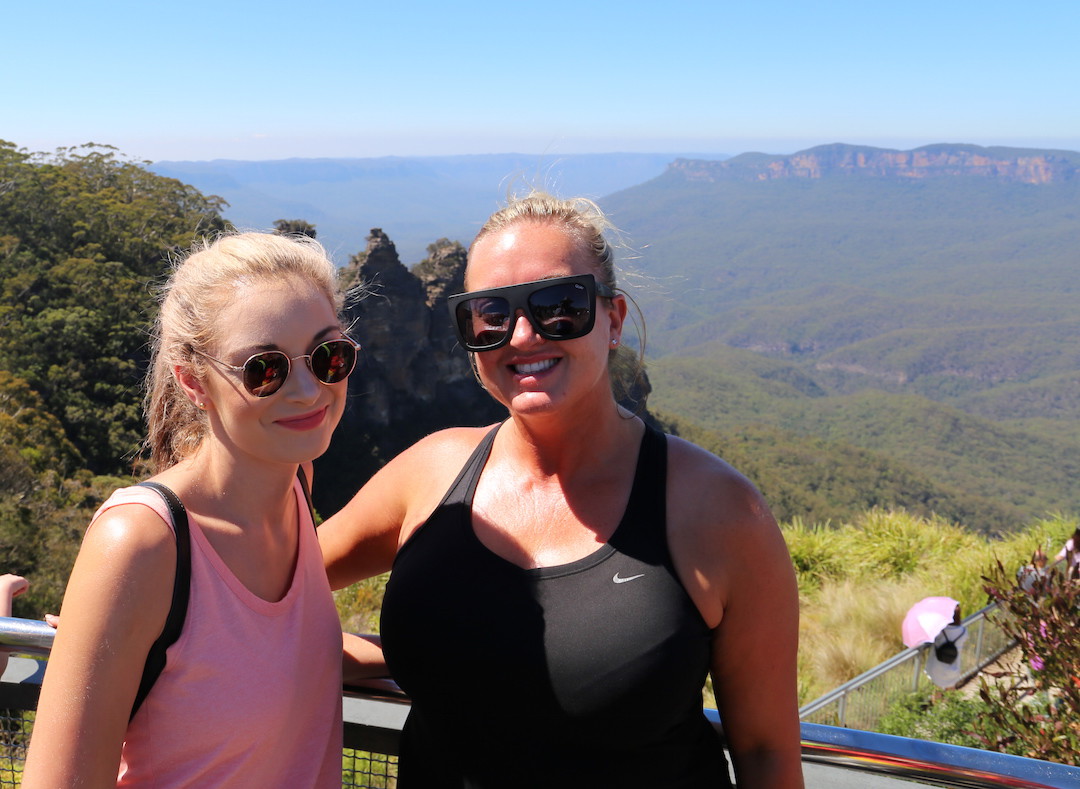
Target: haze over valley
[{"x": 914, "y": 305}]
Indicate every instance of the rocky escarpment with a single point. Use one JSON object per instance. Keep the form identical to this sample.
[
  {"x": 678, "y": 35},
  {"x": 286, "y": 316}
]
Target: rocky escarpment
[
  {"x": 932, "y": 161},
  {"x": 399, "y": 316},
  {"x": 412, "y": 377}
]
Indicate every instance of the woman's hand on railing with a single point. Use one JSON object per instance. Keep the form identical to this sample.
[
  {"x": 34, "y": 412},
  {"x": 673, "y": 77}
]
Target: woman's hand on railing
[
  {"x": 11, "y": 586},
  {"x": 362, "y": 658}
]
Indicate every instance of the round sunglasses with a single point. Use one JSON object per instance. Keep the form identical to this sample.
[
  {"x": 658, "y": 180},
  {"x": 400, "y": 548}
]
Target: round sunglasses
[
  {"x": 264, "y": 373},
  {"x": 561, "y": 308}
]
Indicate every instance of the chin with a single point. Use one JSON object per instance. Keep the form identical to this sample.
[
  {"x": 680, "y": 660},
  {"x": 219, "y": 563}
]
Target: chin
[
  {"x": 526, "y": 403},
  {"x": 304, "y": 451}
]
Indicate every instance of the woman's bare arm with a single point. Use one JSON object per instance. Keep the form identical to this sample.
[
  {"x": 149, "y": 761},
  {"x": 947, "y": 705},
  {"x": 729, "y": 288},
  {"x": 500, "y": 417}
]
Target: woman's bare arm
[
  {"x": 732, "y": 557},
  {"x": 114, "y": 608},
  {"x": 362, "y": 539}
]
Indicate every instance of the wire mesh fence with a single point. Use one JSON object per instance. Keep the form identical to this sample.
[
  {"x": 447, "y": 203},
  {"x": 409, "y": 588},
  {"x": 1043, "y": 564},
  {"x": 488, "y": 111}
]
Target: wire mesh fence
[
  {"x": 15, "y": 726},
  {"x": 368, "y": 770}
]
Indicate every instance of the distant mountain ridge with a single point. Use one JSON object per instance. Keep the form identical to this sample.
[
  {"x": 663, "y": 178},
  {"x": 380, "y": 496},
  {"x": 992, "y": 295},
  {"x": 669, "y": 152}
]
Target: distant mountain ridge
[
  {"x": 931, "y": 161},
  {"x": 416, "y": 200}
]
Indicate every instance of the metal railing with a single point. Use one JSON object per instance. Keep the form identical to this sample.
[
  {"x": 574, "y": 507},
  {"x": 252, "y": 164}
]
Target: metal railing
[
  {"x": 833, "y": 757},
  {"x": 373, "y": 716},
  {"x": 840, "y": 758},
  {"x": 861, "y": 702}
]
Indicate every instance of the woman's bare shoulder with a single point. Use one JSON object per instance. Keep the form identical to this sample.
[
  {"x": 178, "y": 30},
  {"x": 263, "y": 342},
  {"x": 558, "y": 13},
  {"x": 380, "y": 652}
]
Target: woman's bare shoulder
[
  {"x": 439, "y": 454},
  {"x": 715, "y": 512},
  {"x": 711, "y": 480},
  {"x": 363, "y": 537},
  {"x": 723, "y": 538},
  {"x": 405, "y": 490},
  {"x": 120, "y": 587},
  {"x": 131, "y": 529}
]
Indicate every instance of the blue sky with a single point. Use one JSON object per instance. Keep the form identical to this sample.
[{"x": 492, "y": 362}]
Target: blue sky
[{"x": 271, "y": 80}]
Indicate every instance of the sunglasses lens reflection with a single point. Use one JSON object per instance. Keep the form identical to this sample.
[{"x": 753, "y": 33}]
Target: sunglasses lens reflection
[
  {"x": 562, "y": 311},
  {"x": 264, "y": 374},
  {"x": 484, "y": 321},
  {"x": 558, "y": 312},
  {"x": 333, "y": 361}
]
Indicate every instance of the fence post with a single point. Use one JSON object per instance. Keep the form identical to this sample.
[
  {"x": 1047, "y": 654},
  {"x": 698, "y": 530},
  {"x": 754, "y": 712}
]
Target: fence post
[{"x": 979, "y": 642}]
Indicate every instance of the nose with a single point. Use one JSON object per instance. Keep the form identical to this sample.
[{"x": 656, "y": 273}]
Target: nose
[
  {"x": 523, "y": 333},
  {"x": 302, "y": 385}
]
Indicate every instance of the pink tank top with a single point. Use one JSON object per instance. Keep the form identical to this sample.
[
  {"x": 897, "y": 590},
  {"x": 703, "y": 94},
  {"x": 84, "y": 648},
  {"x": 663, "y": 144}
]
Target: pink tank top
[{"x": 251, "y": 692}]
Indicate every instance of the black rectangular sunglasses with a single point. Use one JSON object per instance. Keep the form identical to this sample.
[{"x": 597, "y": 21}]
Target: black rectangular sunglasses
[{"x": 561, "y": 308}]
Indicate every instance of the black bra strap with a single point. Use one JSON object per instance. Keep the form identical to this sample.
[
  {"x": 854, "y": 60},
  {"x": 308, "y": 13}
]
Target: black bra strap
[
  {"x": 307, "y": 492},
  {"x": 174, "y": 623}
]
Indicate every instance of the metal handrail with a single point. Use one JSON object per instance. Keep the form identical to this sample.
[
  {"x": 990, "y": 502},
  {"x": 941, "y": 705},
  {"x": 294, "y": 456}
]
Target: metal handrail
[
  {"x": 900, "y": 659},
  {"x": 933, "y": 762},
  {"x": 29, "y": 635}
]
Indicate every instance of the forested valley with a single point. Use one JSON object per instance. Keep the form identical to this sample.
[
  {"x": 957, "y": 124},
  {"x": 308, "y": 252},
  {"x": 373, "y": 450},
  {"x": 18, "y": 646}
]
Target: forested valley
[{"x": 86, "y": 235}]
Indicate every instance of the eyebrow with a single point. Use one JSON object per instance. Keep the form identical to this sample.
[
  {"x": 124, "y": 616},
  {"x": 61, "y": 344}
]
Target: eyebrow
[{"x": 319, "y": 337}]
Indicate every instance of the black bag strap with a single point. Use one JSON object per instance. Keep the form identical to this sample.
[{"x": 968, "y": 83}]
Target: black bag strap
[{"x": 174, "y": 622}]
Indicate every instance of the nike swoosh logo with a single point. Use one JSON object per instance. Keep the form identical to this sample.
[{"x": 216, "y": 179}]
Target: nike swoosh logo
[{"x": 616, "y": 579}]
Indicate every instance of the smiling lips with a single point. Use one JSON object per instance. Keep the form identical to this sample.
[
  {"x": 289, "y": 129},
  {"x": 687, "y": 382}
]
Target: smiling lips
[
  {"x": 305, "y": 422},
  {"x": 534, "y": 367}
]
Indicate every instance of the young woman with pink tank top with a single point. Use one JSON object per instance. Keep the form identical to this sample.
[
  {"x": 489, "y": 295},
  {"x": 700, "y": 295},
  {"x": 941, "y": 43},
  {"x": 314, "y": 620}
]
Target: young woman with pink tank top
[{"x": 246, "y": 385}]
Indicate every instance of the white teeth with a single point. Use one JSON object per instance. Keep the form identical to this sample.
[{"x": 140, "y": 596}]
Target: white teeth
[{"x": 535, "y": 367}]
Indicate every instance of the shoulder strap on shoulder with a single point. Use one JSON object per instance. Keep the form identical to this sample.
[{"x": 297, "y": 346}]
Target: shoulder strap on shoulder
[
  {"x": 648, "y": 497},
  {"x": 174, "y": 622},
  {"x": 642, "y": 531},
  {"x": 465, "y": 485}
]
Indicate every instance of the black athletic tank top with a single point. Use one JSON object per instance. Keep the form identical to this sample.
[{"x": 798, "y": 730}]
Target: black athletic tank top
[{"x": 587, "y": 674}]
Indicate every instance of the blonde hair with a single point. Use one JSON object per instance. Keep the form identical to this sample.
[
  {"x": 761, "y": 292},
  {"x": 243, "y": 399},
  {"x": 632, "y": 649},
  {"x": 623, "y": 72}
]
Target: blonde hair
[
  {"x": 580, "y": 217},
  {"x": 202, "y": 283}
]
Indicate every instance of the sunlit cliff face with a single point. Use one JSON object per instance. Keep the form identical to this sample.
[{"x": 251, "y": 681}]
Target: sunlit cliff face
[{"x": 929, "y": 162}]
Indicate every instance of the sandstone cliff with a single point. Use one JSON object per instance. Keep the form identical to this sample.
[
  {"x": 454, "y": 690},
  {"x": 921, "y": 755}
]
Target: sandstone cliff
[{"x": 932, "y": 161}]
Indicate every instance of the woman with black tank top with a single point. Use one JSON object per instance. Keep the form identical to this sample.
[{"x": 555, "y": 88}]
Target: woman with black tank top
[{"x": 564, "y": 582}]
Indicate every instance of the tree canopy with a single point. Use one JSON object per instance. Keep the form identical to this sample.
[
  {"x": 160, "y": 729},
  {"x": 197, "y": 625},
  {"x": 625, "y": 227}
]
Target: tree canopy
[{"x": 84, "y": 235}]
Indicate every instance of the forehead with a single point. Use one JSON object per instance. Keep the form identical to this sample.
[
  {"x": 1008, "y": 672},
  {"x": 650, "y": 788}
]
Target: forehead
[
  {"x": 281, "y": 313},
  {"x": 524, "y": 252}
]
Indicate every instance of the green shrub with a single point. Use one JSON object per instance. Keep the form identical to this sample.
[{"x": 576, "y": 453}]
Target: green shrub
[
  {"x": 929, "y": 715},
  {"x": 1033, "y": 708}
]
